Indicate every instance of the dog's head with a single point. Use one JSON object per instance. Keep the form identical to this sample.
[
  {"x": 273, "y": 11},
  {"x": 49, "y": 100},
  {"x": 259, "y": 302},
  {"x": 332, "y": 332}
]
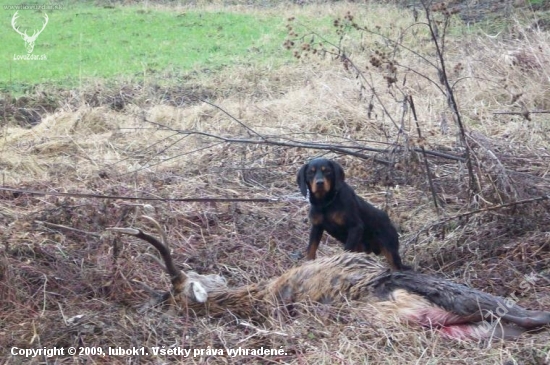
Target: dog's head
[{"x": 320, "y": 176}]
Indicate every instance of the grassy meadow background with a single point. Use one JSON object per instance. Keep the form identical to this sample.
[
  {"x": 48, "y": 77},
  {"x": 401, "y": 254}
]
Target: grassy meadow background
[
  {"x": 84, "y": 42},
  {"x": 166, "y": 100}
]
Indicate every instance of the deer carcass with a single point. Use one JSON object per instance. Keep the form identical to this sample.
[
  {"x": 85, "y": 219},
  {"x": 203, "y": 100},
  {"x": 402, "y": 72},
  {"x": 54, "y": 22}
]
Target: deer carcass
[{"x": 456, "y": 311}]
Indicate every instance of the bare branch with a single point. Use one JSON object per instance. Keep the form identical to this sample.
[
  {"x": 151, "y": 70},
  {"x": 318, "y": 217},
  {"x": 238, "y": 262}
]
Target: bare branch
[
  {"x": 428, "y": 172},
  {"x": 450, "y": 95},
  {"x": 522, "y": 112},
  {"x": 122, "y": 197},
  {"x": 343, "y": 149},
  {"x": 478, "y": 211}
]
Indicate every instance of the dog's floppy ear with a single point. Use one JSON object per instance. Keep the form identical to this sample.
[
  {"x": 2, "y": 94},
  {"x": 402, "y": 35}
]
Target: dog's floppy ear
[
  {"x": 301, "y": 179},
  {"x": 339, "y": 175}
]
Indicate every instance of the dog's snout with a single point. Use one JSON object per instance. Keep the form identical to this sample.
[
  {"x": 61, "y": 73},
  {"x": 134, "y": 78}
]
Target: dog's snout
[{"x": 319, "y": 179}]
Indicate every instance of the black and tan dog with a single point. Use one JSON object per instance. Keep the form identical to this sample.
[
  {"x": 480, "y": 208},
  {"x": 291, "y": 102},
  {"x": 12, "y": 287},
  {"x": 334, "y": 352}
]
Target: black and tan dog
[{"x": 336, "y": 208}]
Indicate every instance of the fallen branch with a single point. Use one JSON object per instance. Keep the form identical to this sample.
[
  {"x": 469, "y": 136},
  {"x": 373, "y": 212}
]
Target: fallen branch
[
  {"x": 122, "y": 197},
  {"x": 467, "y": 214},
  {"x": 524, "y": 112},
  {"x": 53, "y": 225},
  {"x": 344, "y": 149}
]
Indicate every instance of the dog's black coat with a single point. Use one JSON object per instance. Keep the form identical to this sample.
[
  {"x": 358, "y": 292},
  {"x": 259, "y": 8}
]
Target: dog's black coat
[{"x": 336, "y": 208}]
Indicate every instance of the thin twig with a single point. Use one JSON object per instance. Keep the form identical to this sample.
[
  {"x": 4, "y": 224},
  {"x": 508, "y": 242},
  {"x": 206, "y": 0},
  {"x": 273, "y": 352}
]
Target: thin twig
[
  {"x": 450, "y": 95},
  {"x": 473, "y": 212},
  {"x": 334, "y": 148},
  {"x": 53, "y": 225},
  {"x": 428, "y": 172},
  {"x": 344, "y": 149},
  {"x": 525, "y": 112},
  {"x": 232, "y": 117},
  {"x": 122, "y": 197}
]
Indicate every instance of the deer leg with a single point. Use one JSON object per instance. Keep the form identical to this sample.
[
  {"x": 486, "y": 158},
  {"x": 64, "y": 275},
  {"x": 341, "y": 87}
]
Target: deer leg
[
  {"x": 479, "y": 331},
  {"x": 464, "y": 327},
  {"x": 529, "y": 319},
  {"x": 463, "y": 301},
  {"x": 513, "y": 313}
]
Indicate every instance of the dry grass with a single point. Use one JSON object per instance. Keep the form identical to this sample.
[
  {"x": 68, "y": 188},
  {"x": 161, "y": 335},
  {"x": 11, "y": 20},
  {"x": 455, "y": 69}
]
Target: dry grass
[{"x": 62, "y": 287}]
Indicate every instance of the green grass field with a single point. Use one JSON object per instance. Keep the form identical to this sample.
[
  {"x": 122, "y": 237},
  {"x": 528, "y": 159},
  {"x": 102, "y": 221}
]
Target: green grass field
[
  {"x": 88, "y": 42},
  {"x": 85, "y": 41}
]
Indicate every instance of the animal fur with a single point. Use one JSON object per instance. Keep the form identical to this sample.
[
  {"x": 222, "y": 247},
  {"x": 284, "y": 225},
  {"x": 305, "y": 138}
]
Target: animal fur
[{"x": 455, "y": 310}]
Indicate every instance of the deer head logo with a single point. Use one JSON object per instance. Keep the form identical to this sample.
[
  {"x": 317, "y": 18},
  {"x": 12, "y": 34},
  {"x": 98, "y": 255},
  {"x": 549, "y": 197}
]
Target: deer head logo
[{"x": 29, "y": 40}]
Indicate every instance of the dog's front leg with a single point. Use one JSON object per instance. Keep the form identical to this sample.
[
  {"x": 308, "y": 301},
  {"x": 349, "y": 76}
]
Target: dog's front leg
[
  {"x": 355, "y": 236},
  {"x": 314, "y": 238}
]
